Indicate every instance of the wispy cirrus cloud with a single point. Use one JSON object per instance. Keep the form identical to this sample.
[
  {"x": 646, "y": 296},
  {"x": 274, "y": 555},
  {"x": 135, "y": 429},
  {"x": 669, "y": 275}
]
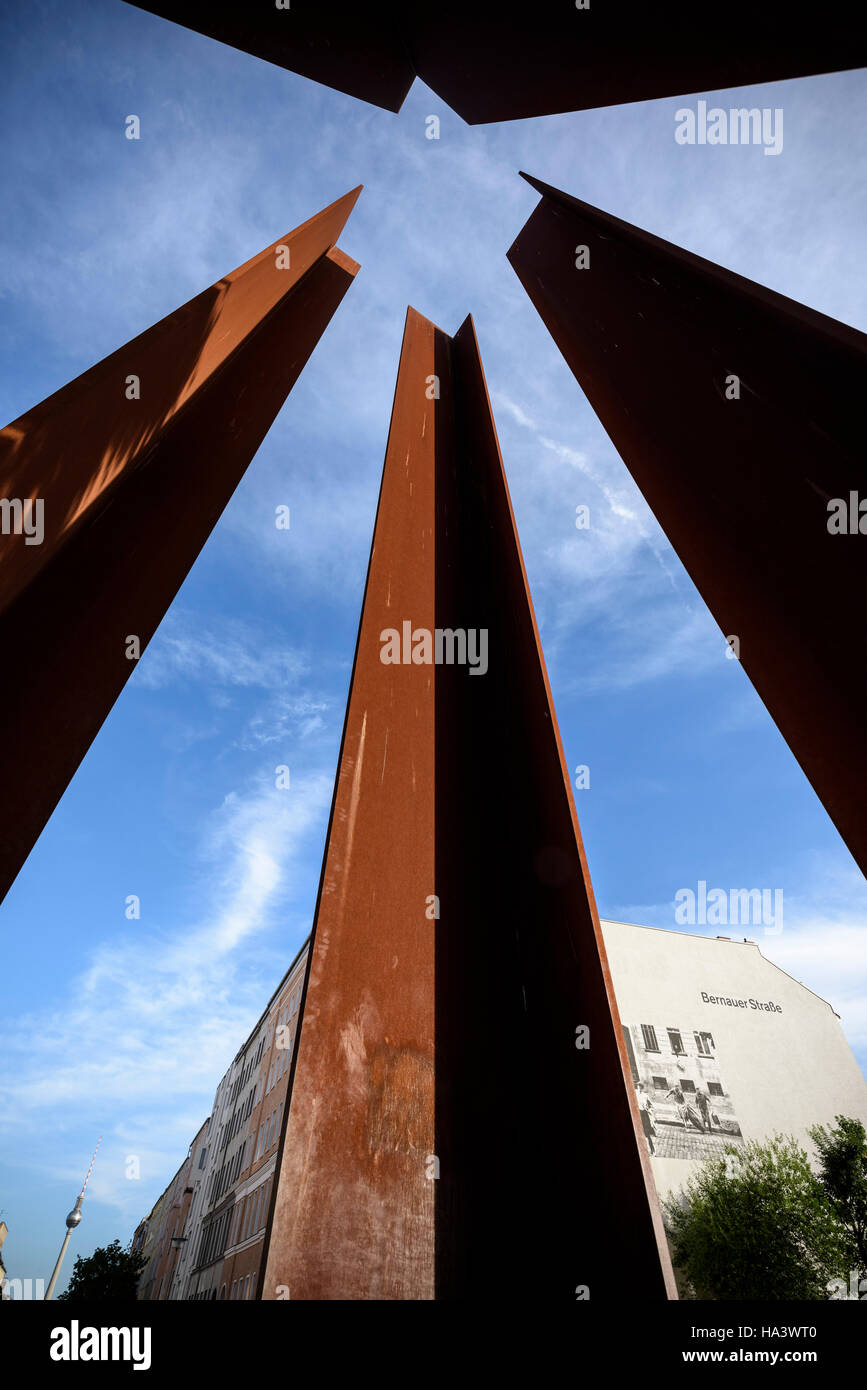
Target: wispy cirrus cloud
[
  {"x": 160, "y": 1011},
  {"x": 192, "y": 648}
]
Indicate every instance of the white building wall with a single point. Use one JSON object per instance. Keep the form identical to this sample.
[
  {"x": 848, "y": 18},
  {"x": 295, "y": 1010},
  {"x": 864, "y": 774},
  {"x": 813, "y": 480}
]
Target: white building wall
[{"x": 781, "y": 1070}]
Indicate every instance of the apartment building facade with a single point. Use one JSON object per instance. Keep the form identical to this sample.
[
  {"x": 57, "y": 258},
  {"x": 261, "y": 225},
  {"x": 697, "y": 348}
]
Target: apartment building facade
[
  {"x": 725, "y": 1045},
  {"x": 159, "y": 1236},
  {"x": 220, "y": 1197}
]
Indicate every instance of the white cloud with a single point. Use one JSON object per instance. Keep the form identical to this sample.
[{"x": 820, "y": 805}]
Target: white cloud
[
  {"x": 285, "y": 717},
  {"x": 228, "y": 652},
  {"x": 823, "y": 943},
  {"x": 150, "y": 1024}
]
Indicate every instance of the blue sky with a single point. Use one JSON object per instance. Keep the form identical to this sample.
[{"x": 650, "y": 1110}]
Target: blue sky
[{"x": 123, "y": 1027}]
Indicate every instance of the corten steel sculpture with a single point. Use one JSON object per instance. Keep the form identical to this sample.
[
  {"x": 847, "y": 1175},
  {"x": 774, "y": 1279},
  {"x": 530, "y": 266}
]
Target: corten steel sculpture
[
  {"x": 131, "y": 465},
  {"x": 739, "y": 473},
  {"x": 490, "y": 64},
  {"x": 446, "y": 1137}
]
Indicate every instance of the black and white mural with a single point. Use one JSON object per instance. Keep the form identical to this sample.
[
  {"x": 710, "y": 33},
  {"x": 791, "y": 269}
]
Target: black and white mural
[{"x": 686, "y": 1111}]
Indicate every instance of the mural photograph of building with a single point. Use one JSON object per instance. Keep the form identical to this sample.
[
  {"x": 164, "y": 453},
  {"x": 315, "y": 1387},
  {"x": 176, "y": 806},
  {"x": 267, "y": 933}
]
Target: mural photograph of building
[
  {"x": 689, "y": 1114},
  {"x": 725, "y": 1046}
]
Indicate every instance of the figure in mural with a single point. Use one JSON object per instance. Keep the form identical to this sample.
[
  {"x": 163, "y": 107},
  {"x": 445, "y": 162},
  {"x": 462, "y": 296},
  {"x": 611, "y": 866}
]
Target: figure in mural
[
  {"x": 645, "y": 1105},
  {"x": 702, "y": 1100},
  {"x": 684, "y": 1109}
]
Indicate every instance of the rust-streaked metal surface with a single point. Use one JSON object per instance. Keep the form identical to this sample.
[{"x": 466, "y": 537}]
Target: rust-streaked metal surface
[
  {"x": 131, "y": 491},
  {"x": 354, "y": 1212},
  {"x": 450, "y": 1044},
  {"x": 491, "y": 64},
  {"x": 740, "y": 486}
]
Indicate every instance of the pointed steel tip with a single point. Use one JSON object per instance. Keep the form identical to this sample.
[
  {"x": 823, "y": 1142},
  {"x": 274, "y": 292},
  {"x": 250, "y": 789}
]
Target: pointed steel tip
[
  {"x": 414, "y": 316},
  {"x": 348, "y": 201},
  {"x": 343, "y": 206},
  {"x": 539, "y": 185},
  {"x": 413, "y": 319}
]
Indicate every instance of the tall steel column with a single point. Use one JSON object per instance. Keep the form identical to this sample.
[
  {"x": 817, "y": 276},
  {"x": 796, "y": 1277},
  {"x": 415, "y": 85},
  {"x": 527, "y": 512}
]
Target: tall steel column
[
  {"x": 739, "y": 414},
  {"x": 126, "y": 471},
  {"x": 446, "y": 1137},
  {"x": 563, "y": 55}
]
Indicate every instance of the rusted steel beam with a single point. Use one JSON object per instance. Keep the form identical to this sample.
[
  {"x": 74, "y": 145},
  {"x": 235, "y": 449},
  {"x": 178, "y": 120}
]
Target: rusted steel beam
[
  {"x": 739, "y": 414},
  {"x": 559, "y": 57},
  {"x": 357, "y": 49},
  {"x": 562, "y": 58},
  {"x": 130, "y": 467},
  {"x": 446, "y": 1137}
]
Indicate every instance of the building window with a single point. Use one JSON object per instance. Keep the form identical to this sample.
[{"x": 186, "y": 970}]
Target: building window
[
  {"x": 687, "y": 1087},
  {"x": 676, "y": 1041},
  {"x": 704, "y": 1044},
  {"x": 660, "y": 1083},
  {"x": 272, "y": 1139},
  {"x": 648, "y": 1033},
  {"x": 715, "y": 1088}
]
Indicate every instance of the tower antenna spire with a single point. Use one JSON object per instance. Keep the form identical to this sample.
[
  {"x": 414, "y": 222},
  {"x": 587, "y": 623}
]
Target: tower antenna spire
[
  {"x": 72, "y": 1220},
  {"x": 92, "y": 1161}
]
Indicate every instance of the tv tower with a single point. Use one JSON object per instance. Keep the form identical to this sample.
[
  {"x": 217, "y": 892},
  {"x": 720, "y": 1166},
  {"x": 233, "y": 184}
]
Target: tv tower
[{"x": 72, "y": 1220}]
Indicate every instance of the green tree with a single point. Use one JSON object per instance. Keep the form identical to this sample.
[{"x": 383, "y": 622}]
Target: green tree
[
  {"x": 755, "y": 1223},
  {"x": 843, "y": 1155},
  {"x": 111, "y": 1272}
]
